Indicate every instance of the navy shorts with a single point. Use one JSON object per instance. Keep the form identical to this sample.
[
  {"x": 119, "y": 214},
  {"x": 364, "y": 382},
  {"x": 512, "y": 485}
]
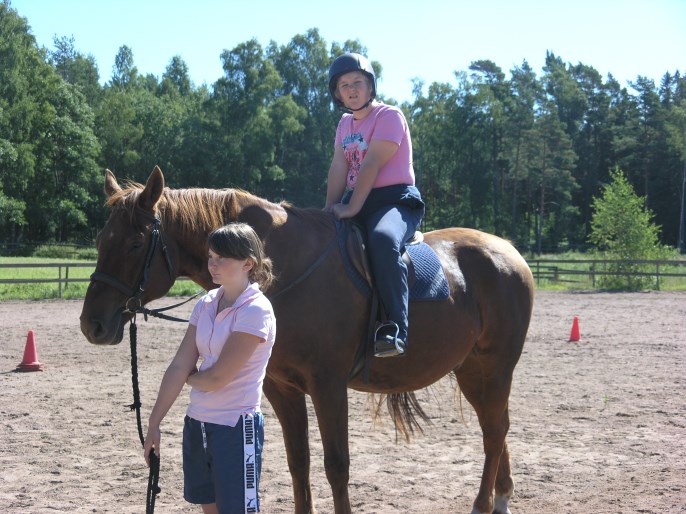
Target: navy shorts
[{"x": 222, "y": 464}]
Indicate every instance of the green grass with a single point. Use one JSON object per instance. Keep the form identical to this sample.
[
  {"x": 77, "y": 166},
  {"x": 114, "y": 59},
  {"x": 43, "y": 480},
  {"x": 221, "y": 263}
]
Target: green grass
[
  {"x": 570, "y": 276},
  {"x": 46, "y": 291}
]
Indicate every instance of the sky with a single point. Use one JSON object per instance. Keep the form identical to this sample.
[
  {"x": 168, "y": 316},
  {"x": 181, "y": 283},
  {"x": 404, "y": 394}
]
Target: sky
[{"x": 427, "y": 40}]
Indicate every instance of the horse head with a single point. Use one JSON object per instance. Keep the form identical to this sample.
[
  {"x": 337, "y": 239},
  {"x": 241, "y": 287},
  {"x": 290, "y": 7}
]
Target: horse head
[{"x": 134, "y": 265}]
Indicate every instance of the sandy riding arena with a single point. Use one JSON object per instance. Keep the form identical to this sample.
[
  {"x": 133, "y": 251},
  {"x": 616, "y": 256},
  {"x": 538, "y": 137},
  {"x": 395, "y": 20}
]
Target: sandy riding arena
[{"x": 597, "y": 425}]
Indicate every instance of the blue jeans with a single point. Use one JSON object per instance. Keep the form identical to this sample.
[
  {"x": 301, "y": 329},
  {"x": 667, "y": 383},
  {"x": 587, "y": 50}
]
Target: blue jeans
[{"x": 390, "y": 216}]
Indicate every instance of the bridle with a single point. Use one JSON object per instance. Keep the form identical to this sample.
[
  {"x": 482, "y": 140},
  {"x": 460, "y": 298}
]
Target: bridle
[{"x": 134, "y": 304}]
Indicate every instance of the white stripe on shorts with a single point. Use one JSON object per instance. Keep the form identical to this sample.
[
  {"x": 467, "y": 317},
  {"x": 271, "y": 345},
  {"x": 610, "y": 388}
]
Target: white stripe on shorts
[{"x": 249, "y": 465}]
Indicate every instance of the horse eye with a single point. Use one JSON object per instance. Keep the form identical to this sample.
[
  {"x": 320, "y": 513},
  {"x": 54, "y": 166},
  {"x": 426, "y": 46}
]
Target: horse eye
[{"x": 135, "y": 247}]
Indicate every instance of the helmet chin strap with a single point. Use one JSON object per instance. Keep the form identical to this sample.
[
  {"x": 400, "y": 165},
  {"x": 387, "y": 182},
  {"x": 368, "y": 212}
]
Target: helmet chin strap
[{"x": 363, "y": 107}]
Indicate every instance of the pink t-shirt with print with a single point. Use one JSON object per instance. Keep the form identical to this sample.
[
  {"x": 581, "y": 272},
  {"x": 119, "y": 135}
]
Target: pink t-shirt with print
[
  {"x": 251, "y": 313},
  {"x": 384, "y": 123}
]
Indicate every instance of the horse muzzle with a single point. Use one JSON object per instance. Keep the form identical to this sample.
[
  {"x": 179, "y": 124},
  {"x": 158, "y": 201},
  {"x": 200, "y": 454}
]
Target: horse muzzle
[{"x": 101, "y": 332}]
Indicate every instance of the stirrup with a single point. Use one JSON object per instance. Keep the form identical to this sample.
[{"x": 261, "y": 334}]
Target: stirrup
[{"x": 386, "y": 341}]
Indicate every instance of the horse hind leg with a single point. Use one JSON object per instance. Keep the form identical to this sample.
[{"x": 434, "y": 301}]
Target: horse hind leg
[
  {"x": 504, "y": 485},
  {"x": 489, "y": 397}
]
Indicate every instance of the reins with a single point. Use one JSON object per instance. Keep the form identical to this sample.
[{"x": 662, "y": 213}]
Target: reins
[
  {"x": 308, "y": 271},
  {"x": 154, "y": 474}
]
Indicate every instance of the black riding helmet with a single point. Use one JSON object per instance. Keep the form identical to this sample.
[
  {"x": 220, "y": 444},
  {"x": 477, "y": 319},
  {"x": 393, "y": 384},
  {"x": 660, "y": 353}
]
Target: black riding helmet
[{"x": 346, "y": 63}]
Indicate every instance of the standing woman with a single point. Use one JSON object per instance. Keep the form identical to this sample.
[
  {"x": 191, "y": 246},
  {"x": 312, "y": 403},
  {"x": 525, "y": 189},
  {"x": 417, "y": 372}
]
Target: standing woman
[
  {"x": 371, "y": 179},
  {"x": 232, "y": 329}
]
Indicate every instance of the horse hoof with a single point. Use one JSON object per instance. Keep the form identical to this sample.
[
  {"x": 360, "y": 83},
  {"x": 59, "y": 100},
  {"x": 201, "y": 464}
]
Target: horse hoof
[{"x": 501, "y": 505}]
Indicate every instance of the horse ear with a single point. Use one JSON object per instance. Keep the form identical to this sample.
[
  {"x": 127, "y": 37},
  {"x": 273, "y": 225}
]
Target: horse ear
[
  {"x": 111, "y": 185},
  {"x": 153, "y": 190}
]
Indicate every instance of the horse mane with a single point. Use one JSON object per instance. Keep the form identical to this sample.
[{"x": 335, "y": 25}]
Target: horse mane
[
  {"x": 195, "y": 209},
  {"x": 198, "y": 209}
]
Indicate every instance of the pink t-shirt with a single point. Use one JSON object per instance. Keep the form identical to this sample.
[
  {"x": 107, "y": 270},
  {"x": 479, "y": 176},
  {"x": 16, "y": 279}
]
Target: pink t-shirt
[
  {"x": 385, "y": 123},
  {"x": 252, "y": 313}
]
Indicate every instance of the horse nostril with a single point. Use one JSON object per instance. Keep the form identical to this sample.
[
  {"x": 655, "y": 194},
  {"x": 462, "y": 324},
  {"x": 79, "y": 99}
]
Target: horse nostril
[
  {"x": 97, "y": 329},
  {"x": 92, "y": 329}
]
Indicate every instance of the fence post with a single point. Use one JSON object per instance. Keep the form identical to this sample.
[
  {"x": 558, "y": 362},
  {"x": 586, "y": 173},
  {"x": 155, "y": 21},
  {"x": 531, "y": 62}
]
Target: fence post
[
  {"x": 66, "y": 278},
  {"x": 59, "y": 282},
  {"x": 657, "y": 276},
  {"x": 538, "y": 271}
]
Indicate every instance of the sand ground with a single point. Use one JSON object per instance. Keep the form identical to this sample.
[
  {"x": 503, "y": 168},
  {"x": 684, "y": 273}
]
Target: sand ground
[{"x": 596, "y": 426}]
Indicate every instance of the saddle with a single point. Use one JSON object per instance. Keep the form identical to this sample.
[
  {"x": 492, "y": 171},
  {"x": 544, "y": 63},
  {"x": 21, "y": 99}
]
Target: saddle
[
  {"x": 425, "y": 277},
  {"x": 355, "y": 245}
]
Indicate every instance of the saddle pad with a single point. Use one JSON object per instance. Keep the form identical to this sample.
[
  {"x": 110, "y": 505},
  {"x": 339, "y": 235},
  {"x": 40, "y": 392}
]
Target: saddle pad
[{"x": 430, "y": 282}]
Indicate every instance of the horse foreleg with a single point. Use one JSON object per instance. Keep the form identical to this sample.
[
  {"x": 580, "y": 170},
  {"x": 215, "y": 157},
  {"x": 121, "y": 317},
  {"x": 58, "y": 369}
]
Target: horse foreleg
[
  {"x": 289, "y": 406},
  {"x": 330, "y": 400},
  {"x": 489, "y": 397}
]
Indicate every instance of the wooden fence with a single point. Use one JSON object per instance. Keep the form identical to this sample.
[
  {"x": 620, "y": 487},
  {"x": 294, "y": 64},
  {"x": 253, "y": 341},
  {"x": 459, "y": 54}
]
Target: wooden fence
[
  {"x": 543, "y": 269},
  {"x": 62, "y": 278},
  {"x": 577, "y": 270}
]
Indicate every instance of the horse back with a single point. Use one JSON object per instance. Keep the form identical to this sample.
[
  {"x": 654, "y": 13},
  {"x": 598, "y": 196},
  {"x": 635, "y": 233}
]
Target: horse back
[
  {"x": 479, "y": 257},
  {"x": 489, "y": 276}
]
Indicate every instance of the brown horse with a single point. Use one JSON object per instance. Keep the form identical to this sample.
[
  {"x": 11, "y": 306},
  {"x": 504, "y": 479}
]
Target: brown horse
[{"x": 477, "y": 334}]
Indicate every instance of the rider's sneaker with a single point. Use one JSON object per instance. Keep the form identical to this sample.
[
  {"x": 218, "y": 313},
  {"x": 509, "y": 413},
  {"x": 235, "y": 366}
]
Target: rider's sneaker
[{"x": 387, "y": 343}]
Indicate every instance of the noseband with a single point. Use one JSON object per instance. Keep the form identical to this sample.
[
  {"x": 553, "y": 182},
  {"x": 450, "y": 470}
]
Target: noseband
[{"x": 134, "y": 303}]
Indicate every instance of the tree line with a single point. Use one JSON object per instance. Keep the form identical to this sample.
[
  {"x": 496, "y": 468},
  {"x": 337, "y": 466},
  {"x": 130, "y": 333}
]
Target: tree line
[{"x": 522, "y": 157}]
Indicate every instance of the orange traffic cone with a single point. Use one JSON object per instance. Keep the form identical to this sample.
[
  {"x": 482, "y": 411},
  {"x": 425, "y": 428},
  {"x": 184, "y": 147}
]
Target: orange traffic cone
[
  {"x": 575, "y": 336},
  {"x": 30, "y": 362}
]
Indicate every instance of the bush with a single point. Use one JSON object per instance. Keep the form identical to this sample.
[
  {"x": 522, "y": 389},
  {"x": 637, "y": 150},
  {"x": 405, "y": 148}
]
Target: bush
[
  {"x": 622, "y": 228},
  {"x": 65, "y": 251}
]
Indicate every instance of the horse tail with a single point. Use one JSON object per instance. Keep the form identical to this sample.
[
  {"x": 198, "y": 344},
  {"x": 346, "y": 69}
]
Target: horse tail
[{"x": 406, "y": 413}]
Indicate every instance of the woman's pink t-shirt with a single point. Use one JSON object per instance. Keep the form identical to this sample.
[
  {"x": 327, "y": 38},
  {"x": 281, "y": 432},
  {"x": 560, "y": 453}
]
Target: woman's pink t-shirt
[
  {"x": 251, "y": 313},
  {"x": 384, "y": 123}
]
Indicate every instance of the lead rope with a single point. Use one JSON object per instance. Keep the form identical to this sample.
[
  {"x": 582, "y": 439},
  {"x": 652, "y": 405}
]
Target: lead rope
[{"x": 154, "y": 475}]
